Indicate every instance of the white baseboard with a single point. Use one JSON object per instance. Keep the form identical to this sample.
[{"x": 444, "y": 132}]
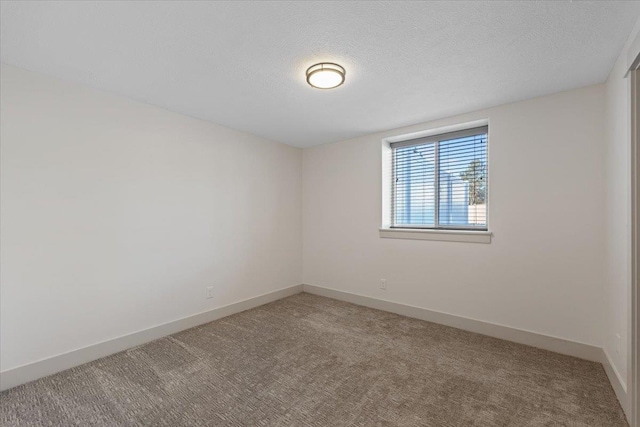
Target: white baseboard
[
  {"x": 617, "y": 382},
  {"x": 32, "y": 371},
  {"x": 534, "y": 339}
]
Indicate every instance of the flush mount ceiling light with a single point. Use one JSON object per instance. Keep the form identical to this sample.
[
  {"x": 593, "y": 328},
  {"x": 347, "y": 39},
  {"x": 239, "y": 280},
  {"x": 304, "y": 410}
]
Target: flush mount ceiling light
[{"x": 325, "y": 75}]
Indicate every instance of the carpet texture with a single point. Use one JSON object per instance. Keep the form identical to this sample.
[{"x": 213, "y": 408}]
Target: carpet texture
[{"x": 313, "y": 361}]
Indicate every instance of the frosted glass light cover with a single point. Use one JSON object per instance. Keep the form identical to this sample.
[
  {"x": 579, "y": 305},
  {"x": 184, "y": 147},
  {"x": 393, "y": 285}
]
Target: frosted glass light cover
[{"x": 325, "y": 75}]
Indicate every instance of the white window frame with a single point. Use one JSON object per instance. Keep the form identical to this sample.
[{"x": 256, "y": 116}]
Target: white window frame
[{"x": 387, "y": 230}]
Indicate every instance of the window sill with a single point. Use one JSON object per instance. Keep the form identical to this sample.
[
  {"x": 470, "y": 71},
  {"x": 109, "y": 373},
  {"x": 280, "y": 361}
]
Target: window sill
[{"x": 441, "y": 235}]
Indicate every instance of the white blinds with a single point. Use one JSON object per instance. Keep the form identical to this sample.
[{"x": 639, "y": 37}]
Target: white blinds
[{"x": 441, "y": 181}]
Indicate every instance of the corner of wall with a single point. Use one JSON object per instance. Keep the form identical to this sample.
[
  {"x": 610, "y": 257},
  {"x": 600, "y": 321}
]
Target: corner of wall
[{"x": 617, "y": 382}]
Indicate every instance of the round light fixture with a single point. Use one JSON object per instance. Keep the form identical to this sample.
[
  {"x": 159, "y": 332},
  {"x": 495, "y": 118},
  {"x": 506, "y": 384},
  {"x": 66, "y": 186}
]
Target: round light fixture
[{"x": 325, "y": 75}]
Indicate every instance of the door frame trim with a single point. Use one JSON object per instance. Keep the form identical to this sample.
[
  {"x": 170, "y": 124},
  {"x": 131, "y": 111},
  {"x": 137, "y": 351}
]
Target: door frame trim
[{"x": 633, "y": 380}]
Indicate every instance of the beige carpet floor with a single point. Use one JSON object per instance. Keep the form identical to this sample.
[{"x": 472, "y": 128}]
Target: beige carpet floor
[{"x": 312, "y": 361}]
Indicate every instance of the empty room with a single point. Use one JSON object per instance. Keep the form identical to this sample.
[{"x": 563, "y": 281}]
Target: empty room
[{"x": 319, "y": 213}]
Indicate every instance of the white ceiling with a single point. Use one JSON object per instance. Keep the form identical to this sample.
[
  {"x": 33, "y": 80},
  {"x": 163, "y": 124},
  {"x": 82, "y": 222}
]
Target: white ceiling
[{"x": 242, "y": 64}]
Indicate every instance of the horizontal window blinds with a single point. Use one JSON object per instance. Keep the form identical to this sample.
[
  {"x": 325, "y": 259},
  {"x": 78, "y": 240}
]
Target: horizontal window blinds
[{"x": 441, "y": 181}]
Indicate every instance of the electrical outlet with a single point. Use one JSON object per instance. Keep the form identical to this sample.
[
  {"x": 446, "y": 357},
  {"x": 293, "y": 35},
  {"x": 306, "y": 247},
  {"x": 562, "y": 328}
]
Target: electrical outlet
[
  {"x": 209, "y": 292},
  {"x": 383, "y": 284},
  {"x": 617, "y": 343}
]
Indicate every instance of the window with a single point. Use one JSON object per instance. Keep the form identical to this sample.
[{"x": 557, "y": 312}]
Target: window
[{"x": 440, "y": 181}]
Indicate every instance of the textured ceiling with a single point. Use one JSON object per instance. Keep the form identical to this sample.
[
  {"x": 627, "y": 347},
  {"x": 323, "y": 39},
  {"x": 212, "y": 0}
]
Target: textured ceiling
[{"x": 242, "y": 64}]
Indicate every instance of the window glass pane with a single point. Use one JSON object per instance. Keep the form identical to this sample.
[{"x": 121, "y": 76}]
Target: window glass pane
[
  {"x": 463, "y": 182},
  {"x": 414, "y": 186}
]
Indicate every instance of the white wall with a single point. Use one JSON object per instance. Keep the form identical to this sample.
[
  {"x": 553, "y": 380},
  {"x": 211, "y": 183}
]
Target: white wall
[
  {"x": 117, "y": 215},
  {"x": 544, "y": 270},
  {"x": 618, "y": 215}
]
